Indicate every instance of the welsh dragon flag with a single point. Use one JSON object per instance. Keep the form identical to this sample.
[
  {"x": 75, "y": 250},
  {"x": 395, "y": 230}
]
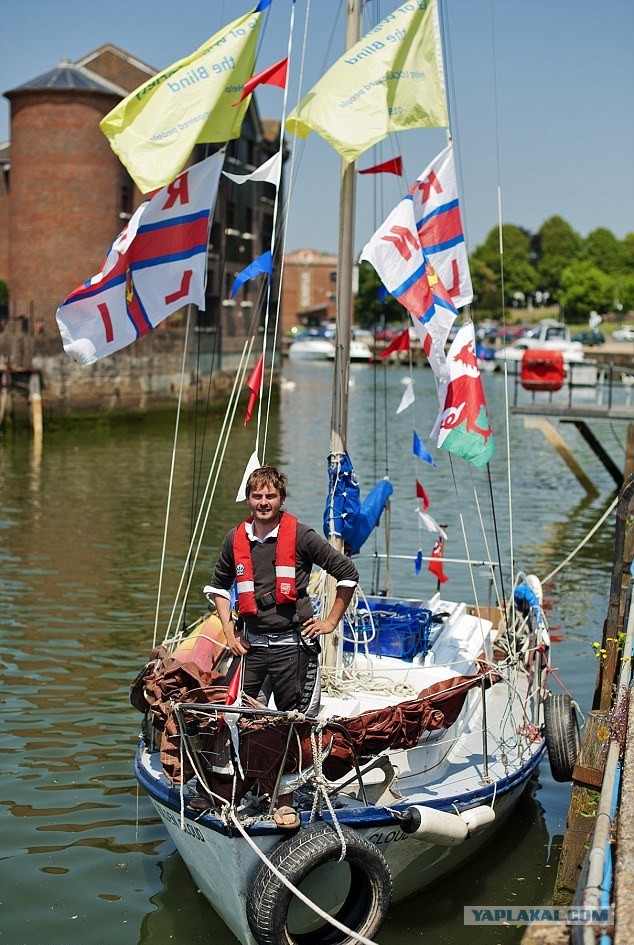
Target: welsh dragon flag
[{"x": 462, "y": 426}]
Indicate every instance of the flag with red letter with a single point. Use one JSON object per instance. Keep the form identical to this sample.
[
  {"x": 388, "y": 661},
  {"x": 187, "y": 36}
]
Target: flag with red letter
[
  {"x": 439, "y": 225},
  {"x": 255, "y": 385},
  {"x": 274, "y": 75},
  {"x": 462, "y": 426},
  {"x": 435, "y": 565},
  {"x": 156, "y": 265},
  {"x": 397, "y": 256}
]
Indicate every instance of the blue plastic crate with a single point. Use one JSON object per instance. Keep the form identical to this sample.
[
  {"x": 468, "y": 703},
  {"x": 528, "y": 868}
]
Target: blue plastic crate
[{"x": 399, "y": 630}]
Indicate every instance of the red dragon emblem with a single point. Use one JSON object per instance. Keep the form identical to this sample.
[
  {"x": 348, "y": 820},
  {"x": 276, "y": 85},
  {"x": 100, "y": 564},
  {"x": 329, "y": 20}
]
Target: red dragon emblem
[{"x": 465, "y": 400}]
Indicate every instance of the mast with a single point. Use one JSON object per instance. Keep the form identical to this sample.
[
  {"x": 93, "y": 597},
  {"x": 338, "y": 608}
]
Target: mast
[
  {"x": 332, "y": 646},
  {"x": 345, "y": 267}
]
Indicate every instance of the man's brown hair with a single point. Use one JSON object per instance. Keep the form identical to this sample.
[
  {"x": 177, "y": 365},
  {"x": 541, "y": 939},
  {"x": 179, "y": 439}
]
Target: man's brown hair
[{"x": 267, "y": 475}]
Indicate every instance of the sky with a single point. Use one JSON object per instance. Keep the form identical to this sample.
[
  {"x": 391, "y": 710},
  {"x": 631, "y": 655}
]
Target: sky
[{"x": 541, "y": 98}]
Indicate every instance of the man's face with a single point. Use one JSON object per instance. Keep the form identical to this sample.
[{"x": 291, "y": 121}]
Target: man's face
[{"x": 265, "y": 503}]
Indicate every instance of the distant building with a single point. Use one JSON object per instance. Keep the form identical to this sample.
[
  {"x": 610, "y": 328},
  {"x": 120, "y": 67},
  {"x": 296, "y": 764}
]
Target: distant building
[
  {"x": 64, "y": 196},
  {"x": 309, "y": 288}
]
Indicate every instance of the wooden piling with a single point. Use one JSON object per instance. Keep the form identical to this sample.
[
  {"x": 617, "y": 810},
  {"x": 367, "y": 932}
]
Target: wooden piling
[{"x": 35, "y": 398}]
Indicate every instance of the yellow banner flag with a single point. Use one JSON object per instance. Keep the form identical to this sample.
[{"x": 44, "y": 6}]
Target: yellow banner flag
[
  {"x": 393, "y": 79},
  {"x": 153, "y": 131}
]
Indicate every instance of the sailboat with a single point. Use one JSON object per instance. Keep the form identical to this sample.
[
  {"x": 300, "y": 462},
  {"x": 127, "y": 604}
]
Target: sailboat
[{"x": 434, "y": 713}]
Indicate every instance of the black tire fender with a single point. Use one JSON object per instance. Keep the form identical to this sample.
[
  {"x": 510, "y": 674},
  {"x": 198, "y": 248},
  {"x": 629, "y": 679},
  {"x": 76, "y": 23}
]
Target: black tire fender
[
  {"x": 366, "y": 904},
  {"x": 562, "y": 735}
]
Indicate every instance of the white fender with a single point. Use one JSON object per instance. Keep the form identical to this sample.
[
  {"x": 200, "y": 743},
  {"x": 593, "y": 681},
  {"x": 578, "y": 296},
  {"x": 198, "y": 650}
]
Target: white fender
[
  {"x": 435, "y": 826},
  {"x": 536, "y": 587},
  {"x": 477, "y": 818}
]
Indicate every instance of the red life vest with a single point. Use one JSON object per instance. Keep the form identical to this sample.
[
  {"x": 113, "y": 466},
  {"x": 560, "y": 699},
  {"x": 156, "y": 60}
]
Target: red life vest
[{"x": 285, "y": 555}]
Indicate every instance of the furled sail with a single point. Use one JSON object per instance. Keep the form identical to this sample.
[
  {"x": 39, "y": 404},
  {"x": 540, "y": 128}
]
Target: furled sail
[{"x": 345, "y": 516}]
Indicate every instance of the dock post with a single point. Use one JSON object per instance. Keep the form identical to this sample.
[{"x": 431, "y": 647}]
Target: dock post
[
  {"x": 35, "y": 397},
  {"x": 629, "y": 451}
]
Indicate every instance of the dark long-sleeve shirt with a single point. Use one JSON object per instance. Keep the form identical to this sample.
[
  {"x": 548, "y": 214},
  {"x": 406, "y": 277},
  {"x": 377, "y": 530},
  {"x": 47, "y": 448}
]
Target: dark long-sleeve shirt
[{"x": 311, "y": 550}]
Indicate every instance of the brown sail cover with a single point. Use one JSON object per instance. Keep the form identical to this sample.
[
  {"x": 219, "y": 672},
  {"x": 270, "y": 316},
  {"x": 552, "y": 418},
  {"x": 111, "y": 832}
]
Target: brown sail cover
[{"x": 263, "y": 740}]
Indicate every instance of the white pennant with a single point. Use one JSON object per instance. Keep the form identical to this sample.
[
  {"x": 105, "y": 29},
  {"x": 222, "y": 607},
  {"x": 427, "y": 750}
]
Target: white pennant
[
  {"x": 269, "y": 172},
  {"x": 253, "y": 464},
  {"x": 430, "y": 523},
  {"x": 407, "y": 398}
]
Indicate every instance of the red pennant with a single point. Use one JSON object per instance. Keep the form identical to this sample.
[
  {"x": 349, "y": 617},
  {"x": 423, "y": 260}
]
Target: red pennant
[
  {"x": 254, "y": 384},
  {"x": 395, "y": 166},
  {"x": 435, "y": 565},
  {"x": 274, "y": 75},
  {"x": 421, "y": 494},
  {"x": 233, "y": 691},
  {"x": 400, "y": 343}
]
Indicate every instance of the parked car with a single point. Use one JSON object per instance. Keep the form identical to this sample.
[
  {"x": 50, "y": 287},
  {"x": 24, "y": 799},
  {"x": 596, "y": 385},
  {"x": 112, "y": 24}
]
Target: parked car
[
  {"x": 626, "y": 333},
  {"x": 588, "y": 337}
]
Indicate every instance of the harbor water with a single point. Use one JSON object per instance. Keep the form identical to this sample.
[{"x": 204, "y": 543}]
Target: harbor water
[{"x": 85, "y": 861}]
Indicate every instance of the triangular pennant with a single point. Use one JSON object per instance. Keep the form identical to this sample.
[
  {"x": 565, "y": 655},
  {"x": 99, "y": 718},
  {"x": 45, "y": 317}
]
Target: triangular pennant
[
  {"x": 255, "y": 385},
  {"x": 399, "y": 343},
  {"x": 421, "y": 494},
  {"x": 253, "y": 464},
  {"x": 263, "y": 264},
  {"x": 268, "y": 173},
  {"x": 407, "y": 399},
  {"x": 393, "y": 166},
  {"x": 421, "y": 451},
  {"x": 274, "y": 75}
]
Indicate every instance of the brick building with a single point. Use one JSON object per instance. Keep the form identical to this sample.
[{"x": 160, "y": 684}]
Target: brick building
[
  {"x": 309, "y": 288},
  {"x": 64, "y": 196}
]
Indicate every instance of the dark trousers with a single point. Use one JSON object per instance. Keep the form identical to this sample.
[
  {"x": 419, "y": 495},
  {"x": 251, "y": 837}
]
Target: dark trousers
[{"x": 291, "y": 669}]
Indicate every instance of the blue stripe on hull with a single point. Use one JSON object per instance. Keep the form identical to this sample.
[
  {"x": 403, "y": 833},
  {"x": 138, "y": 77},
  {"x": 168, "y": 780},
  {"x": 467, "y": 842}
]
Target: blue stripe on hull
[{"x": 356, "y": 818}]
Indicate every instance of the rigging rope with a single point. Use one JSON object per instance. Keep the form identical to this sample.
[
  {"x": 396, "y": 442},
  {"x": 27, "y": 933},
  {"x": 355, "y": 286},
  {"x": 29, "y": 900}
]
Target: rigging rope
[
  {"x": 171, "y": 478},
  {"x": 300, "y": 895},
  {"x": 583, "y": 542}
]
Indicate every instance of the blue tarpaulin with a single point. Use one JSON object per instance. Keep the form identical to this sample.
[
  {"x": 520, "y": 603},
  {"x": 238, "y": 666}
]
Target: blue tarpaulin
[{"x": 345, "y": 516}]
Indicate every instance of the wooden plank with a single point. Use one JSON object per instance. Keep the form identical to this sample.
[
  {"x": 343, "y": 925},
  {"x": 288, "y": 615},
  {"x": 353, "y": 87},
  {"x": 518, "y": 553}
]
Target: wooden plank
[{"x": 597, "y": 449}]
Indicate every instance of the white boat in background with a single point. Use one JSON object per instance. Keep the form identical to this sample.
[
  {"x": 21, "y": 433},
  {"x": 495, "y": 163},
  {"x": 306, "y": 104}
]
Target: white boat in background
[
  {"x": 314, "y": 344},
  {"x": 549, "y": 335},
  {"x": 360, "y": 350},
  {"x": 318, "y": 344}
]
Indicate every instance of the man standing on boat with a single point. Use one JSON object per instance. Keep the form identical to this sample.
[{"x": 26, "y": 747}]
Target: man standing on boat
[{"x": 270, "y": 558}]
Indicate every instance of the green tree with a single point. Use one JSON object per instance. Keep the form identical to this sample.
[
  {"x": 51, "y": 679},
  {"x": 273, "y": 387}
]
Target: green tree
[
  {"x": 625, "y": 292},
  {"x": 557, "y": 246},
  {"x": 606, "y": 252},
  {"x": 486, "y": 289},
  {"x": 369, "y": 310},
  {"x": 584, "y": 287},
  {"x": 520, "y": 276},
  {"x": 628, "y": 247}
]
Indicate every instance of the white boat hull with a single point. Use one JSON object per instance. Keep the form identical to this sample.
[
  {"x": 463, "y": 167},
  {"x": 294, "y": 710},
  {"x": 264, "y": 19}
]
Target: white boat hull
[
  {"x": 313, "y": 350},
  {"x": 222, "y": 866}
]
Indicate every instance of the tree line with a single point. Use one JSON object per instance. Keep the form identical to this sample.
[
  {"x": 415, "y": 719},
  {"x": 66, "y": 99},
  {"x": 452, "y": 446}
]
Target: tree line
[{"x": 553, "y": 267}]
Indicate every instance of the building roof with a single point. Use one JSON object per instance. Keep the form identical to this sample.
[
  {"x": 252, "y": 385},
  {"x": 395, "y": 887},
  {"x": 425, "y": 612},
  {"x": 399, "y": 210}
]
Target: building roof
[{"x": 68, "y": 75}]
